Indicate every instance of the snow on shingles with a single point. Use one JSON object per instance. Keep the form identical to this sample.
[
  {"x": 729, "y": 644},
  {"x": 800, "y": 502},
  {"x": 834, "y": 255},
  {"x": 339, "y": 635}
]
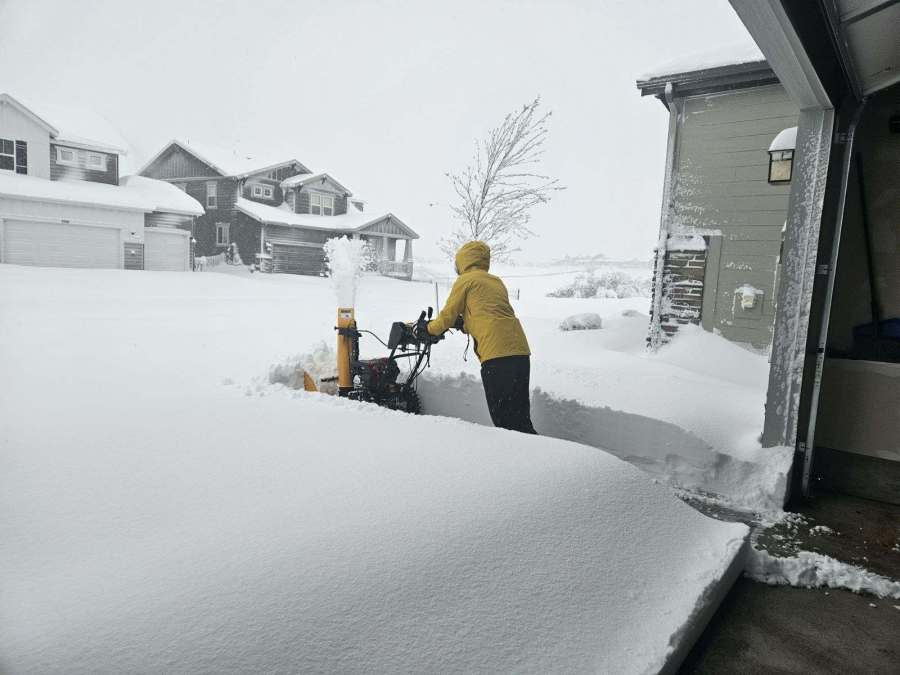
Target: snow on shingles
[
  {"x": 166, "y": 522},
  {"x": 164, "y": 196},
  {"x": 725, "y": 55},
  {"x": 82, "y": 126},
  {"x": 235, "y": 161},
  {"x": 283, "y": 215},
  {"x": 134, "y": 193}
]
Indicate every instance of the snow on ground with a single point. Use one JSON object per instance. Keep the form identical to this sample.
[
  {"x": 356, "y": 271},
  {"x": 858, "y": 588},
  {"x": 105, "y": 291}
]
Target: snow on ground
[
  {"x": 162, "y": 511},
  {"x": 690, "y": 414},
  {"x": 814, "y": 570}
]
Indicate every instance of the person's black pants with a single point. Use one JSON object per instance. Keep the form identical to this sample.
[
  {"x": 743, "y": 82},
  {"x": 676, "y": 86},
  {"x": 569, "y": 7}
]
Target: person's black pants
[{"x": 507, "y": 389}]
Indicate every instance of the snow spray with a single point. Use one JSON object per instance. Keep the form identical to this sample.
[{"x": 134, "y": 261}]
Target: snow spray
[{"x": 345, "y": 259}]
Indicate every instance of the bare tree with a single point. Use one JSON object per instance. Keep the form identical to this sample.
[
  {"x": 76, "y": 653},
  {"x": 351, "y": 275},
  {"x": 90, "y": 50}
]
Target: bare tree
[{"x": 496, "y": 191}]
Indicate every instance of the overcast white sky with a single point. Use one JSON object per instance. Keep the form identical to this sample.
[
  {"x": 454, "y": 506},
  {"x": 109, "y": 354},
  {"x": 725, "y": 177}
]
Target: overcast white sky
[{"x": 386, "y": 96}]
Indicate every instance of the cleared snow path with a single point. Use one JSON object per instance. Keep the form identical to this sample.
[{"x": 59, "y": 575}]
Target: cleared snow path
[{"x": 154, "y": 520}]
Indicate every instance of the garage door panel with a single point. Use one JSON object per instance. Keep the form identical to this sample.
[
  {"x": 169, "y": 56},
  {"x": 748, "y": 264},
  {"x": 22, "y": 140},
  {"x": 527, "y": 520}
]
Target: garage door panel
[
  {"x": 48, "y": 244},
  {"x": 166, "y": 250}
]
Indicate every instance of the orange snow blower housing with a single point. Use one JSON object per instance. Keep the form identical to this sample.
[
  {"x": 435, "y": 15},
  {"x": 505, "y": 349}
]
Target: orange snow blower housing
[{"x": 378, "y": 380}]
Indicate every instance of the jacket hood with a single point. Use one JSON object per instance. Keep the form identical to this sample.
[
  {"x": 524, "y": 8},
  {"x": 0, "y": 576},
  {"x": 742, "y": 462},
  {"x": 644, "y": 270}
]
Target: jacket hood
[{"x": 473, "y": 255}]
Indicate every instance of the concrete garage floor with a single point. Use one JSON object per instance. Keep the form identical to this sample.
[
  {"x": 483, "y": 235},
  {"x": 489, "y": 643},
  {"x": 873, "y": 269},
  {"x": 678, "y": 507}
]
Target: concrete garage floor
[{"x": 779, "y": 629}]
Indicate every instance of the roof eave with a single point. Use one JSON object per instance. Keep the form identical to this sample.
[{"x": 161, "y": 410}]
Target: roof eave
[
  {"x": 75, "y": 202},
  {"x": 303, "y": 168},
  {"x": 710, "y": 80}
]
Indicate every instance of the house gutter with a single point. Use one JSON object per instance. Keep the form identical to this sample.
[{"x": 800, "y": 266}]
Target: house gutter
[{"x": 809, "y": 449}]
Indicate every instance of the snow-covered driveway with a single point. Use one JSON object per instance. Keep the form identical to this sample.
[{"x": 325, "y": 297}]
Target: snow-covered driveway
[{"x": 160, "y": 512}]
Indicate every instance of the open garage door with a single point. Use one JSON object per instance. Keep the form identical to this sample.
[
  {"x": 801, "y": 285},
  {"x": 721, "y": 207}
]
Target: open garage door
[
  {"x": 167, "y": 250},
  {"x": 47, "y": 244}
]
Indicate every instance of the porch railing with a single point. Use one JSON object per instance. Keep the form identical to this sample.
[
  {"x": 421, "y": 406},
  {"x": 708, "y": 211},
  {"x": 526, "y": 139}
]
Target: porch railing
[{"x": 398, "y": 270}]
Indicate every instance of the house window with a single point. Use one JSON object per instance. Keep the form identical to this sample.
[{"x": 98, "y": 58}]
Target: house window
[
  {"x": 257, "y": 190},
  {"x": 320, "y": 204},
  {"x": 211, "y": 197},
  {"x": 66, "y": 156},
  {"x": 96, "y": 161},
  {"x": 262, "y": 191},
  {"x": 21, "y": 157},
  {"x": 222, "y": 234},
  {"x": 7, "y": 155}
]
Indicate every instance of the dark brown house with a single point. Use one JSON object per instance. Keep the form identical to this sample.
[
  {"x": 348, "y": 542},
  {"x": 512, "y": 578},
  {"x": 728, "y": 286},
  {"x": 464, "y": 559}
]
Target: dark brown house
[{"x": 277, "y": 212}]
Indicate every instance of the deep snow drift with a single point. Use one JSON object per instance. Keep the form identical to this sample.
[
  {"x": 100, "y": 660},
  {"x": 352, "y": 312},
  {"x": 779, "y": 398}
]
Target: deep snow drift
[{"x": 156, "y": 517}]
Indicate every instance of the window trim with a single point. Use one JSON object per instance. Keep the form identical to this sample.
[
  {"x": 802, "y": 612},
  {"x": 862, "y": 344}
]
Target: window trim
[
  {"x": 261, "y": 190},
  {"x": 21, "y": 168},
  {"x": 321, "y": 197},
  {"x": 212, "y": 192},
  {"x": 99, "y": 167},
  {"x": 11, "y": 155},
  {"x": 60, "y": 149},
  {"x": 223, "y": 227}
]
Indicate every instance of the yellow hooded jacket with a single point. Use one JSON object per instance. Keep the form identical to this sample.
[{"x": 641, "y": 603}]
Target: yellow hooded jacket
[{"x": 483, "y": 302}]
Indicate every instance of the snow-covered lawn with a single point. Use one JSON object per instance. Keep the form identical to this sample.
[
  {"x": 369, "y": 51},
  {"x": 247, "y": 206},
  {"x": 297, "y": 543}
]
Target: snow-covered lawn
[{"x": 165, "y": 509}]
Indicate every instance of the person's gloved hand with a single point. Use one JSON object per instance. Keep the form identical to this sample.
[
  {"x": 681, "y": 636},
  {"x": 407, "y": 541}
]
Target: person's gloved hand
[
  {"x": 458, "y": 324},
  {"x": 421, "y": 330}
]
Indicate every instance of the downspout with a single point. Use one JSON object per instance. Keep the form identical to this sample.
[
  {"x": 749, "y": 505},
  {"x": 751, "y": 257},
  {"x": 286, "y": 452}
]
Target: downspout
[
  {"x": 822, "y": 342},
  {"x": 655, "y": 337}
]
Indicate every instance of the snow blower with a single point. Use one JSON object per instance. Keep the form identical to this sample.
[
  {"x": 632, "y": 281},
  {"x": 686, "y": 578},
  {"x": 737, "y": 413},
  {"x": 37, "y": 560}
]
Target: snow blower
[{"x": 378, "y": 380}]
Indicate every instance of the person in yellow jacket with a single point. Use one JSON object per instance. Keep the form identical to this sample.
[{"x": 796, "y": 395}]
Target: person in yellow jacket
[{"x": 480, "y": 299}]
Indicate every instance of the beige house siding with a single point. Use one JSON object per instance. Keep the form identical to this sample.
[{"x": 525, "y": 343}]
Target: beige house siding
[{"x": 720, "y": 190}]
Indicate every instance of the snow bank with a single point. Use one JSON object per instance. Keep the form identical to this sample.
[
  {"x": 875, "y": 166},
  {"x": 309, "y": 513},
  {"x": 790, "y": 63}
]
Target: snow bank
[
  {"x": 586, "y": 321},
  {"x": 814, "y": 570},
  {"x": 320, "y": 363},
  {"x": 183, "y": 525}
]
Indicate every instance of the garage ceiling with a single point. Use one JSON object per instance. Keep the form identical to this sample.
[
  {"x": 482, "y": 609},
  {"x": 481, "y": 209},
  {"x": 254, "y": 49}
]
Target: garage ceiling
[{"x": 870, "y": 32}]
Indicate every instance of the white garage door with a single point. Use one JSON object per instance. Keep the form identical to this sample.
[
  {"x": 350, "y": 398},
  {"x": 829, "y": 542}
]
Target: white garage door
[
  {"x": 60, "y": 245},
  {"x": 167, "y": 250}
]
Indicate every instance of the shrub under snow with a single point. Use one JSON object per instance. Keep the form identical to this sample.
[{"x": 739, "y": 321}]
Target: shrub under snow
[
  {"x": 611, "y": 284},
  {"x": 586, "y": 321}
]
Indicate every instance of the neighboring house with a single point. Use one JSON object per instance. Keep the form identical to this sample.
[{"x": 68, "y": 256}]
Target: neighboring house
[
  {"x": 722, "y": 214},
  {"x": 63, "y": 203},
  {"x": 277, "y": 212},
  {"x": 834, "y": 382}
]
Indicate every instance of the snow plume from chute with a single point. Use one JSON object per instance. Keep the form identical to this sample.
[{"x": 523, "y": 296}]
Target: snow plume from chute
[{"x": 345, "y": 260}]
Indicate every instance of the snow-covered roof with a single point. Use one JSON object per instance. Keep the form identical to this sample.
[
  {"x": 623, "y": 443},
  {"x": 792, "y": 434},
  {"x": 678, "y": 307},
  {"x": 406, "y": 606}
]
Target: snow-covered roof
[
  {"x": 785, "y": 140},
  {"x": 351, "y": 221},
  {"x": 725, "y": 55},
  {"x": 6, "y": 99},
  {"x": 307, "y": 178},
  {"x": 165, "y": 196},
  {"x": 136, "y": 193},
  {"x": 230, "y": 161},
  {"x": 82, "y": 127}
]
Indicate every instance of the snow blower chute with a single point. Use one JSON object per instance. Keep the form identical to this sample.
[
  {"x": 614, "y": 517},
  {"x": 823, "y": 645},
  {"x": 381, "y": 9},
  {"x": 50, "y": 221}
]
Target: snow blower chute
[{"x": 379, "y": 380}]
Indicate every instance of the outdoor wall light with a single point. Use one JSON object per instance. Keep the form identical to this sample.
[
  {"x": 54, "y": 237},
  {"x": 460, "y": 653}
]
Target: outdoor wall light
[{"x": 781, "y": 156}]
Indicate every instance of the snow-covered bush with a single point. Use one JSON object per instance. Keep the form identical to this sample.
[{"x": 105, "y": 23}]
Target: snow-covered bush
[
  {"x": 611, "y": 284},
  {"x": 587, "y": 321}
]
